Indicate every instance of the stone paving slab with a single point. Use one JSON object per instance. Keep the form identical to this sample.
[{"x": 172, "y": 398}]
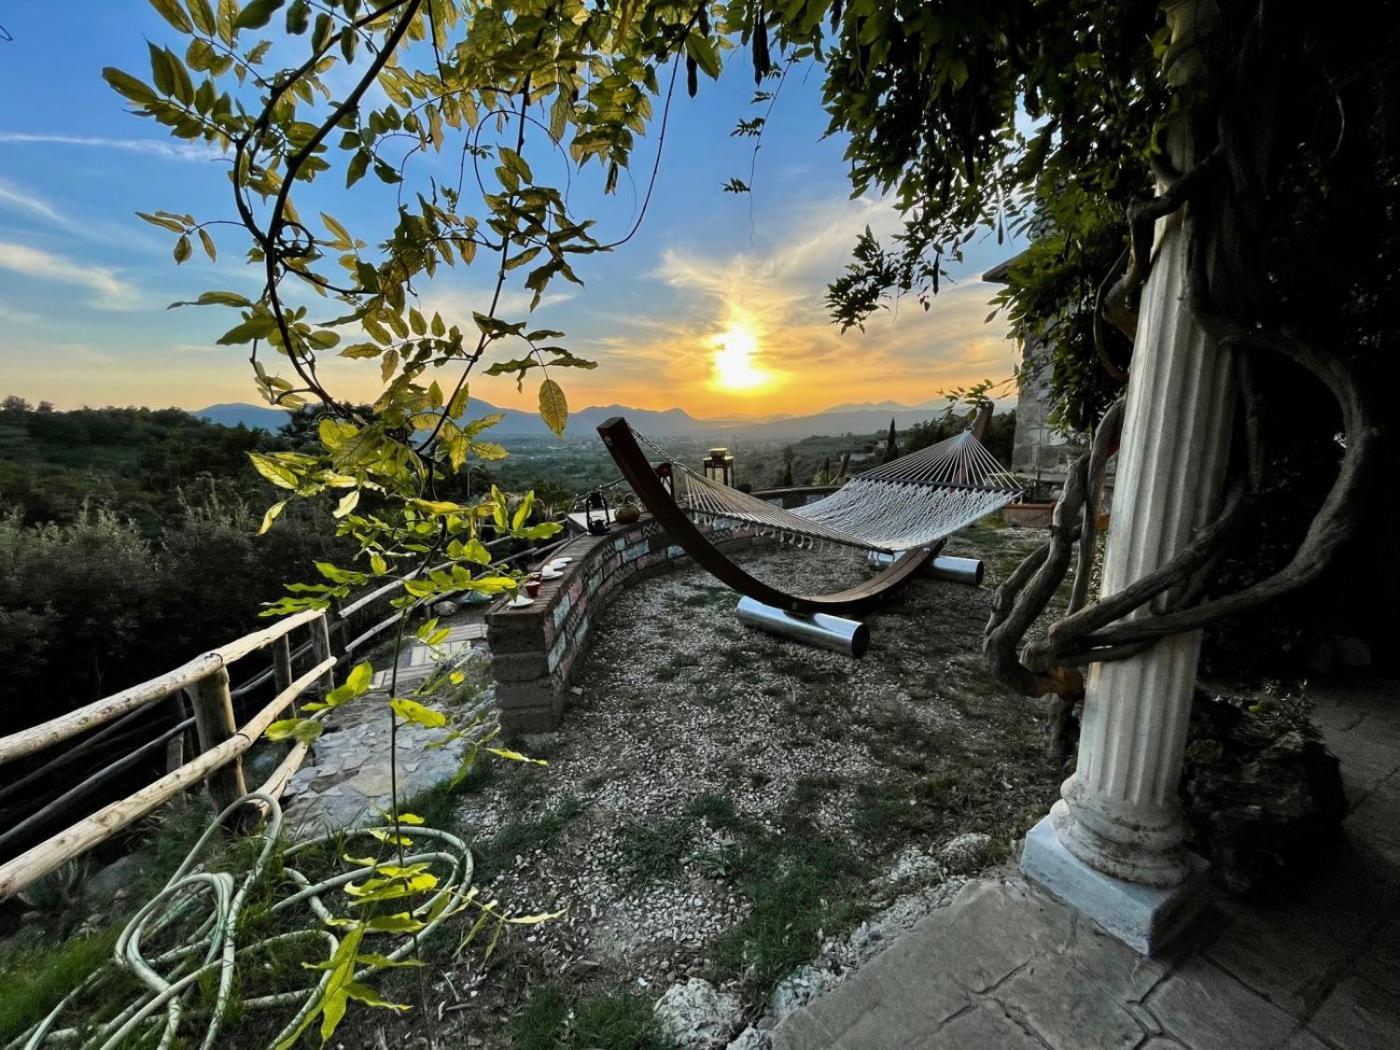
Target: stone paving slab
[
  {"x": 1002, "y": 967},
  {"x": 419, "y": 660}
]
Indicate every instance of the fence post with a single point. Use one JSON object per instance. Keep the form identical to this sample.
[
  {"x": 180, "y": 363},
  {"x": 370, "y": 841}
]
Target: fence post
[
  {"x": 282, "y": 662},
  {"x": 321, "y": 647},
  {"x": 213, "y": 718}
]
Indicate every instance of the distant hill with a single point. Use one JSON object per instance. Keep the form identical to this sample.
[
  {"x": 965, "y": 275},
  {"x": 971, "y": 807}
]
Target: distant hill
[
  {"x": 854, "y": 419},
  {"x": 254, "y": 417}
]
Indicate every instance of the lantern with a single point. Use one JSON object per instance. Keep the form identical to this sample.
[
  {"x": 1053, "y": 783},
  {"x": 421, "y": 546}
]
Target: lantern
[
  {"x": 668, "y": 478},
  {"x": 595, "y": 513},
  {"x": 719, "y": 466}
]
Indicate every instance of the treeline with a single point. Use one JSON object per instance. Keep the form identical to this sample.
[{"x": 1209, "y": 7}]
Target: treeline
[
  {"x": 127, "y": 545},
  {"x": 129, "y": 460}
]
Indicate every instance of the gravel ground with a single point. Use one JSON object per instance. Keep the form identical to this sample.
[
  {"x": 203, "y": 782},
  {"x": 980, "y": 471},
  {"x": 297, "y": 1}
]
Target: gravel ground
[{"x": 701, "y": 763}]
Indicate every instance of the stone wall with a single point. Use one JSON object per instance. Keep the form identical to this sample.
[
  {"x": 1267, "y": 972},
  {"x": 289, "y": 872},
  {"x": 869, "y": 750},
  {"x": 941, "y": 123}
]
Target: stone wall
[{"x": 535, "y": 650}]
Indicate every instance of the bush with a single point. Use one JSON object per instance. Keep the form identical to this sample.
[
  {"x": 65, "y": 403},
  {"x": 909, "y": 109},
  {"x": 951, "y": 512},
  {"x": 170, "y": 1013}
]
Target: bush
[{"x": 92, "y": 606}]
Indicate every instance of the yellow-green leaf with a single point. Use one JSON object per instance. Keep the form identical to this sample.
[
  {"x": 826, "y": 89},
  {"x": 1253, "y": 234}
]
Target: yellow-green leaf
[
  {"x": 554, "y": 409},
  {"x": 413, "y": 711},
  {"x": 274, "y": 471},
  {"x": 271, "y": 515},
  {"x": 164, "y": 222},
  {"x": 173, "y": 13},
  {"x": 347, "y": 504},
  {"x": 343, "y": 239},
  {"x": 359, "y": 677}
]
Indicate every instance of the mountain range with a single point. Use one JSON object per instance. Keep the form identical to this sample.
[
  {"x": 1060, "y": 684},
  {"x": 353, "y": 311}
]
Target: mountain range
[{"x": 865, "y": 418}]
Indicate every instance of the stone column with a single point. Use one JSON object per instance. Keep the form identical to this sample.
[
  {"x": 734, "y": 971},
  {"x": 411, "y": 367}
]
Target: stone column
[
  {"x": 1119, "y": 813},
  {"x": 1119, "y": 816}
]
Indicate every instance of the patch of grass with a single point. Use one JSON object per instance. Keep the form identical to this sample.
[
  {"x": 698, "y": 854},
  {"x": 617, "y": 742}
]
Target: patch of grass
[
  {"x": 802, "y": 888},
  {"x": 540, "y": 1025},
  {"x": 39, "y": 975},
  {"x": 654, "y": 850},
  {"x": 620, "y": 1021},
  {"x": 716, "y": 810}
]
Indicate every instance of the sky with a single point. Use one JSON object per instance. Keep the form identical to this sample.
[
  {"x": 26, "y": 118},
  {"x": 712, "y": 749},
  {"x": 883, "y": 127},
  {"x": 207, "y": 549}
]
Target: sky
[{"x": 715, "y": 306}]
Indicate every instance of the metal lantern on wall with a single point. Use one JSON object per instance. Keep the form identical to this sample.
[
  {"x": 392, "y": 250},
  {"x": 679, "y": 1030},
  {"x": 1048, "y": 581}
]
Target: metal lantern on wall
[
  {"x": 719, "y": 466},
  {"x": 595, "y": 513},
  {"x": 668, "y": 478}
]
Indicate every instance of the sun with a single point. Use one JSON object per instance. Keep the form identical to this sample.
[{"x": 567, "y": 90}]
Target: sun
[{"x": 734, "y": 367}]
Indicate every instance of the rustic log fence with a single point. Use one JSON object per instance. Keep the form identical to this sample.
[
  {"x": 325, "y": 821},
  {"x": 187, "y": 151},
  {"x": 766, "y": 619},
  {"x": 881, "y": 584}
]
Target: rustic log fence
[{"x": 201, "y": 708}]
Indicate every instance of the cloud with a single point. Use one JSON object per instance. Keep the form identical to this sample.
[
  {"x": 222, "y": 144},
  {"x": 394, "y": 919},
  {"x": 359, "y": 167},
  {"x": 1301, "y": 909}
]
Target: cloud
[
  {"x": 15, "y": 199},
  {"x": 778, "y": 293},
  {"x": 113, "y": 293},
  {"x": 9, "y": 313},
  {"x": 188, "y": 151},
  {"x": 87, "y": 354}
]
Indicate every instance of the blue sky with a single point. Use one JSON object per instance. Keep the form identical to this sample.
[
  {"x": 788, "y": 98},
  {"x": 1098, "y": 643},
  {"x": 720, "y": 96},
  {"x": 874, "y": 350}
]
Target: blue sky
[{"x": 84, "y": 283}]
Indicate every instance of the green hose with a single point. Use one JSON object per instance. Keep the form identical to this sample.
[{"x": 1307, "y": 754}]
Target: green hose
[{"x": 168, "y": 979}]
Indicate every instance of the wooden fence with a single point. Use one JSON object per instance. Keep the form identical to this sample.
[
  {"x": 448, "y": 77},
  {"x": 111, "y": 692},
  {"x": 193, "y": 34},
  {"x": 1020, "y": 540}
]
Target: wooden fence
[{"x": 202, "y": 689}]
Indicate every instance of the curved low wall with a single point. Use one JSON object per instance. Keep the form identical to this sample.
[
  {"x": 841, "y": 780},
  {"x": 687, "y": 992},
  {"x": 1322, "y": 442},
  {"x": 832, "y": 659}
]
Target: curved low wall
[{"x": 536, "y": 650}]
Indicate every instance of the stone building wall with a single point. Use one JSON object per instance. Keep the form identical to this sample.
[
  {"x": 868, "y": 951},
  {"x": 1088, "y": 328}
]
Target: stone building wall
[{"x": 1039, "y": 450}]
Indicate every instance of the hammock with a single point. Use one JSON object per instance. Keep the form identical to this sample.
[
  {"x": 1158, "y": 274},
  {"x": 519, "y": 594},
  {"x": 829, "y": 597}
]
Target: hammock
[
  {"x": 908, "y": 506},
  {"x": 909, "y": 502}
]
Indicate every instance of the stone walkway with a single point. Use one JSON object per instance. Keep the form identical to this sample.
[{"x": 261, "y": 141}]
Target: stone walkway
[
  {"x": 345, "y": 782},
  {"x": 1005, "y": 967}
]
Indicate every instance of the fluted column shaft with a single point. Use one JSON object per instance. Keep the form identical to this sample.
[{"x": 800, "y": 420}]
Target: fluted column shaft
[{"x": 1119, "y": 813}]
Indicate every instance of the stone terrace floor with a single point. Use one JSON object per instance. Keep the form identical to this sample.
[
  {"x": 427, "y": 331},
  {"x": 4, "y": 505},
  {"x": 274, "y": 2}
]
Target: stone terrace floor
[{"x": 1005, "y": 967}]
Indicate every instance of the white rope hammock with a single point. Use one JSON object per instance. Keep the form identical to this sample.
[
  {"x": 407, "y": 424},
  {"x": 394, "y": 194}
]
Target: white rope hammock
[{"x": 909, "y": 502}]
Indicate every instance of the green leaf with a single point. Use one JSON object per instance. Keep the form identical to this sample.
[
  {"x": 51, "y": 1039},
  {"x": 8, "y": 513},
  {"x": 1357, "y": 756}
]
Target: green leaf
[
  {"x": 698, "y": 47},
  {"x": 303, "y": 730},
  {"x": 554, "y": 409},
  {"x": 254, "y": 16},
  {"x": 255, "y": 327},
  {"x": 182, "y": 249},
  {"x": 173, "y": 13},
  {"x": 208, "y": 244},
  {"x": 475, "y": 552},
  {"x": 413, "y": 711},
  {"x": 203, "y": 15},
  {"x": 164, "y": 222},
  {"x": 214, "y": 299},
  {"x": 129, "y": 87},
  {"x": 403, "y": 922}
]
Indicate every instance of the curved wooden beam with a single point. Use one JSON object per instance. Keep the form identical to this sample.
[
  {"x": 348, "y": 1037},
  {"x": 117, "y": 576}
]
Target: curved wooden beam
[{"x": 638, "y": 471}]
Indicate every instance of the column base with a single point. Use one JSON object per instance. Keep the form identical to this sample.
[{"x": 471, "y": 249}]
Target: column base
[{"x": 1145, "y": 918}]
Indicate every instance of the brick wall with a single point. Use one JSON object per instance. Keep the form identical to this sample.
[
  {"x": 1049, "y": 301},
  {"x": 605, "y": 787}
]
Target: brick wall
[{"x": 536, "y": 650}]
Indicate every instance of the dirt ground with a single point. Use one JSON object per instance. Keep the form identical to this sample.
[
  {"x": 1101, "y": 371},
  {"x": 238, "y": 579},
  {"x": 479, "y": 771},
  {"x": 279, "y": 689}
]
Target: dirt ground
[{"x": 725, "y": 804}]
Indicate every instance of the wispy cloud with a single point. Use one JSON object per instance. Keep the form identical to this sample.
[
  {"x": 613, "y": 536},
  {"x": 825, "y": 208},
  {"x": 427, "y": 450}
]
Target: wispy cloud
[
  {"x": 17, "y": 199},
  {"x": 151, "y": 147},
  {"x": 14, "y": 316},
  {"x": 112, "y": 292},
  {"x": 88, "y": 354}
]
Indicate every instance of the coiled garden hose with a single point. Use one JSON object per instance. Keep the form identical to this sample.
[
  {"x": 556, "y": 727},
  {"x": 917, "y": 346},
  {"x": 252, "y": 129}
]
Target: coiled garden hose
[{"x": 213, "y": 950}]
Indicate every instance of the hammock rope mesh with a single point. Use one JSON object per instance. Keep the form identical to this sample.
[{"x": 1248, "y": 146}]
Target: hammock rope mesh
[{"x": 909, "y": 502}]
